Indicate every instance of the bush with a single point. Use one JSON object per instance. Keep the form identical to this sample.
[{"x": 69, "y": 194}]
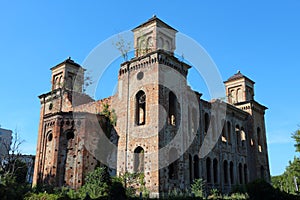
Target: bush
[{"x": 197, "y": 188}]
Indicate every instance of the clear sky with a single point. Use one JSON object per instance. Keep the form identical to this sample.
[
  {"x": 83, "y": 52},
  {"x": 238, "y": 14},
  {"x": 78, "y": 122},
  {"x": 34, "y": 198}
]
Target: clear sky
[{"x": 260, "y": 38}]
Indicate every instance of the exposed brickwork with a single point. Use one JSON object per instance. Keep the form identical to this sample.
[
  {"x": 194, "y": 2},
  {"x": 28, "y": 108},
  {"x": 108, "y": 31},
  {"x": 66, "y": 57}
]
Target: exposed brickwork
[{"x": 70, "y": 140}]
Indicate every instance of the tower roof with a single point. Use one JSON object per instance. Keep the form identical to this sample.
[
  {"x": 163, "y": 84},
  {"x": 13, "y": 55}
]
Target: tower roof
[
  {"x": 237, "y": 76},
  {"x": 157, "y": 20},
  {"x": 67, "y": 61}
]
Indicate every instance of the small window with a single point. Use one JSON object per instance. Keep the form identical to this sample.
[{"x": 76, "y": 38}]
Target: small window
[
  {"x": 140, "y": 108},
  {"x": 139, "y": 159},
  {"x": 215, "y": 168},
  {"x": 206, "y": 122},
  {"x": 50, "y": 137},
  {"x": 172, "y": 109},
  {"x": 70, "y": 135}
]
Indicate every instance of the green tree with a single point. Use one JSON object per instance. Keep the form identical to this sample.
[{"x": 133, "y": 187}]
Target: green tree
[
  {"x": 97, "y": 183},
  {"x": 296, "y": 137}
]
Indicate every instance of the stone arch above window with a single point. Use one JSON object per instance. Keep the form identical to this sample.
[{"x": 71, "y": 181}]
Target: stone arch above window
[{"x": 140, "y": 108}]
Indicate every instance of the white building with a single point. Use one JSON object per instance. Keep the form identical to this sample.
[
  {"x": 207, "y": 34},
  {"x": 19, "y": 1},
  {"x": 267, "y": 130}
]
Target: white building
[{"x": 5, "y": 141}]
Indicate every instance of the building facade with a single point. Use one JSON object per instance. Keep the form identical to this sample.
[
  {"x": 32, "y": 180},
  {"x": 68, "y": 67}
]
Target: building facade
[
  {"x": 163, "y": 128},
  {"x": 5, "y": 141}
]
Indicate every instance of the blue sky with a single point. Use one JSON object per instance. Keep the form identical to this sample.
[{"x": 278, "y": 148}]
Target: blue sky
[{"x": 260, "y": 38}]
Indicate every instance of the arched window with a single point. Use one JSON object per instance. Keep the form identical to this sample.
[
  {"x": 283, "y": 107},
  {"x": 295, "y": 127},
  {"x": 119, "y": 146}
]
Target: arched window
[
  {"x": 208, "y": 170},
  {"x": 196, "y": 167},
  {"x": 259, "y": 143},
  {"x": 229, "y": 132},
  {"x": 213, "y": 128},
  {"x": 237, "y": 133},
  {"x": 241, "y": 173},
  {"x": 49, "y": 136},
  {"x": 246, "y": 173},
  {"x": 224, "y": 136},
  {"x": 173, "y": 167},
  {"x": 243, "y": 137},
  {"x": 206, "y": 122},
  {"x": 140, "y": 108},
  {"x": 172, "y": 109},
  {"x": 149, "y": 44},
  {"x": 70, "y": 135},
  {"x": 139, "y": 160},
  {"x": 239, "y": 95},
  {"x": 215, "y": 167},
  {"x": 190, "y": 168},
  {"x": 262, "y": 172},
  {"x": 167, "y": 45},
  {"x": 231, "y": 173},
  {"x": 225, "y": 171}
]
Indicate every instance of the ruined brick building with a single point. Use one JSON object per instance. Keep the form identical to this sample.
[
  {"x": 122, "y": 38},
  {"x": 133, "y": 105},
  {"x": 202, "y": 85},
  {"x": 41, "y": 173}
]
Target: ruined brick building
[{"x": 164, "y": 129}]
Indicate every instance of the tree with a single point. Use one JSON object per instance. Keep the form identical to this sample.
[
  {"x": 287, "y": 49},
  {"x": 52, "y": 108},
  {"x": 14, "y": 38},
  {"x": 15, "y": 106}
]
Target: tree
[
  {"x": 296, "y": 137},
  {"x": 11, "y": 162},
  {"x": 97, "y": 183},
  {"x": 123, "y": 46}
]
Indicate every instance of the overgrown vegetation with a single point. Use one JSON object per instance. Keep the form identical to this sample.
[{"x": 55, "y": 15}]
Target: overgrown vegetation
[{"x": 289, "y": 181}]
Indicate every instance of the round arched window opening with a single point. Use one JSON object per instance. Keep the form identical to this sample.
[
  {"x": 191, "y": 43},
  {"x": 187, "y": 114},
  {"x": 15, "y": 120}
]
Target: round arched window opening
[
  {"x": 70, "y": 135},
  {"x": 50, "y": 137}
]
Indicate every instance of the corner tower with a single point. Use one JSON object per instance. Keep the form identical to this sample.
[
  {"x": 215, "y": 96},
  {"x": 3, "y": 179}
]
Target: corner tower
[
  {"x": 56, "y": 132},
  {"x": 240, "y": 93}
]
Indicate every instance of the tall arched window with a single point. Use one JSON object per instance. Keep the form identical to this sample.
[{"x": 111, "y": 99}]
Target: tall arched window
[
  {"x": 246, "y": 173},
  {"x": 139, "y": 160},
  {"x": 241, "y": 173},
  {"x": 243, "y": 137},
  {"x": 229, "y": 132},
  {"x": 259, "y": 143},
  {"x": 208, "y": 170},
  {"x": 196, "y": 167},
  {"x": 206, "y": 122},
  {"x": 173, "y": 167},
  {"x": 262, "y": 172},
  {"x": 225, "y": 171},
  {"x": 224, "y": 136},
  {"x": 191, "y": 168},
  {"x": 231, "y": 173},
  {"x": 215, "y": 167},
  {"x": 213, "y": 127},
  {"x": 140, "y": 108},
  {"x": 239, "y": 95},
  {"x": 237, "y": 133},
  {"x": 172, "y": 109}
]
